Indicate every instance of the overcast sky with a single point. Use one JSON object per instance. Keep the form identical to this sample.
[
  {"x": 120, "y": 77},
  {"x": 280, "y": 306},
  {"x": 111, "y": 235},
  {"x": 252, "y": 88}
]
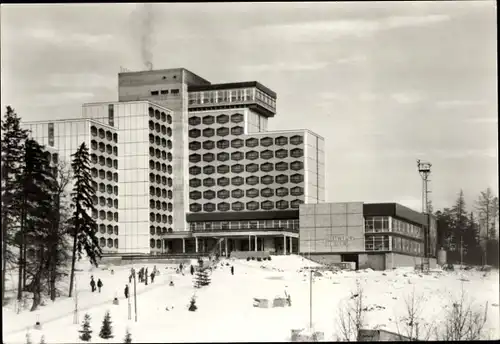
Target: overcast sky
[{"x": 383, "y": 83}]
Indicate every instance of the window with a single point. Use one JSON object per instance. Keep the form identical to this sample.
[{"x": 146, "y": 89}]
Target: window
[
  {"x": 223, "y": 206},
  {"x": 296, "y": 178},
  {"x": 297, "y": 165},
  {"x": 164, "y": 92},
  {"x": 237, "y": 181},
  {"x": 174, "y": 91},
  {"x": 223, "y": 194},
  {"x": 154, "y": 93},
  {"x": 208, "y": 157},
  {"x": 222, "y": 119},
  {"x": 208, "y": 182},
  {"x": 281, "y": 166},
  {"x": 223, "y": 181},
  {"x": 252, "y": 180},
  {"x": 207, "y": 120},
  {"x": 194, "y": 183},
  {"x": 195, "y": 207},
  {"x": 281, "y": 192},
  {"x": 266, "y": 167},
  {"x": 267, "y": 154},
  {"x": 252, "y": 168},
  {"x": 297, "y": 191},
  {"x": 296, "y": 152},
  {"x": 296, "y": 140},
  {"x": 281, "y": 141},
  {"x": 223, "y": 144},
  {"x": 237, "y": 168},
  {"x": 281, "y": 153},
  {"x": 267, "y": 205},
  {"x": 282, "y": 204},
  {"x": 237, "y": 143},
  {"x": 266, "y": 180},
  {"x": 223, "y": 131},
  {"x": 252, "y": 142},
  {"x": 194, "y": 120},
  {"x": 237, "y": 131},
  {"x": 266, "y": 141},
  {"x": 222, "y": 169},
  {"x": 252, "y": 155},
  {"x": 51, "y": 134},
  {"x": 238, "y": 193},
  {"x": 111, "y": 115},
  {"x": 237, "y": 156},
  {"x": 209, "y": 169},
  {"x": 194, "y": 170},
  {"x": 222, "y": 156},
  {"x": 209, "y": 207},
  {"x": 237, "y": 206},
  {"x": 208, "y": 145},
  {"x": 282, "y": 179},
  {"x": 252, "y": 193},
  {"x": 267, "y": 192},
  {"x": 252, "y": 205}
]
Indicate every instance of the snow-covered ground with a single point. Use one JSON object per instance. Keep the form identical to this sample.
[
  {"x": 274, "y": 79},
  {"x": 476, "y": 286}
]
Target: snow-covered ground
[{"x": 225, "y": 307}]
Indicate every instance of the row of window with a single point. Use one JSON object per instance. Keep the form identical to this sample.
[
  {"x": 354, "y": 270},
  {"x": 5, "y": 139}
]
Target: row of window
[
  {"x": 160, "y": 154},
  {"x": 160, "y": 115},
  {"x": 160, "y": 205},
  {"x": 251, "y": 193},
  {"x": 160, "y": 128},
  {"x": 236, "y": 143},
  {"x": 109, "y": 229},
  {"x": 159, "y": 230},
  {"x": 231, "y": 96},
  {"x": 154, "y": 242},
  {"x": 160, "y": 218},
  {"x": 104, "y": 134},
  {"x": 244, "y": 224},
  {"x": 252, "y": 168},
  {"x": 160, "y": 167},
  {"x": 383, "y": 224},
  {"x": 407, "y": 245},
  {"x": 110, "y": 242},
  {"x": 239, "y": 206},
  {"x": 221, "y": 119},
  {"x": 252, "y": 180},
  {"x": 158, "y": 192},
  {"x": 113, "y": 163},
  {"x": 252, "y": 155},
  {"x": 154, "y": 178},
  {"x": 102, "y": 201},
  {"x": 102, "y": 215},
  {"x": 104, "y": 175},
  {"x": 209, "y": 132},
  {"x": 101, "y": 187},
  {"x": 104, "y": 148},
  {"x": 160, "y": 141}
]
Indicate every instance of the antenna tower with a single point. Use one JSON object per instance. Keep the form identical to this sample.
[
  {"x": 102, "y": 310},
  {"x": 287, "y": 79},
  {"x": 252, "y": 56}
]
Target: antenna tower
[{"x": 424, "y": 169}]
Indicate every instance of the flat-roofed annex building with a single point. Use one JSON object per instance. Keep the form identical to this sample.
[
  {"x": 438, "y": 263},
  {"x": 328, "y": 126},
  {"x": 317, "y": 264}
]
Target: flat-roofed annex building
[{"x": 373, "y": 235}]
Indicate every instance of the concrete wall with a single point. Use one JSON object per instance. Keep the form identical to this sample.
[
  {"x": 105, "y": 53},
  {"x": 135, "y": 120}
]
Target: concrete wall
[
  {"x": 373, "y": 261},
  {"x": 394, "y": 260},
  {"x": 332, "y": 227}
]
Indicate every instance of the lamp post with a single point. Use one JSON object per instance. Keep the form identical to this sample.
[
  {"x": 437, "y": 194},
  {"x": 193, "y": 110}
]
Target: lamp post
[{"x": 135, "y": 294}]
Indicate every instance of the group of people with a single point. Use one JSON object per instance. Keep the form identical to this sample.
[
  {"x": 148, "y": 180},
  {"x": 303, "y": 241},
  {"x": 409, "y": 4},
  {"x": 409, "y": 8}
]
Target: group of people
[
  {"x": 142, "y": 275},
  {"x": 93, "y": 284}
]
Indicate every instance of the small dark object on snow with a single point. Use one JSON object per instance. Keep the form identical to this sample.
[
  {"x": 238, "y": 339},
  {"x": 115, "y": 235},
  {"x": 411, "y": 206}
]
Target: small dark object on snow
[
  {"x": 354, "y": 296},
  {"x": 99, "y": 284},
  {"x": 192, "y": 269},
  {"x": 232, "y": 270},
  {"x": 115, "y": 301},
  {"x": 126, "y": 291},
  {"x": 38, "y": 326},
  {"x": 171, "y": 283},
  {"x": 248, "y": 259},
  {"x": 192, "y": 305},
  {"x": 259, "y": 259},
  {"x": 253, "y": 258},
  {"x": 448, "y": 267}
]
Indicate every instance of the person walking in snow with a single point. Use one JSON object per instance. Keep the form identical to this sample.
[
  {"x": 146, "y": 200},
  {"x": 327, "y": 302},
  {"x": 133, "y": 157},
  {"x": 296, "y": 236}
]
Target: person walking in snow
[
  {"x": 192, "y": 270},
  {"x": 92, "y": 283},
  {"x": 152, "y": 277},
  {"x": 99, "y": 284},
  {"x": 126, "y": 291},
  {"x": 232, "y": 270},
  {"x": 146, "y": 276}
]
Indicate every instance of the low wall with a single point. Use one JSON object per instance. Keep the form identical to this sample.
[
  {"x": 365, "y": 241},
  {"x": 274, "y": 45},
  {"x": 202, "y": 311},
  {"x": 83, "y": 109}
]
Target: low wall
[
  {"x": 246, "y": 254},
  {"x": 395, "y": 260},
  {"x": 324, "y": 259},
  {"x": 173, "y": 261},
  {"x": 110, "y": 261},
  {"x": 380, "y": 336}
]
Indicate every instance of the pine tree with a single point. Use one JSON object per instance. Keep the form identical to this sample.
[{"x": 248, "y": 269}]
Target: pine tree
[
  {"x": 128, "y": 337},
  {"x": 106, "y": 329},
  {"x": 85, "y": 227},
  {"x": 42, "y": 340},
  {"x": 28, "y": 337},
  {"x": 192, "y": 304},
  {"x": 12, "y": 151},
  {"x": 33, "y": 200},
  {"x": 86, "y": 332}
]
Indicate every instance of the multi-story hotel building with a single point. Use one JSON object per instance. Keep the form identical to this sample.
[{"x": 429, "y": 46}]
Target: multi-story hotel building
[{"x": 183, "y": 165}]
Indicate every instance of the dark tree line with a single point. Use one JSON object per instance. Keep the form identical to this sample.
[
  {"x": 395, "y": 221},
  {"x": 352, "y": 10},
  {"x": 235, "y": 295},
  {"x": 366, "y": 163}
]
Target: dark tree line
[
  {"x": 44, "y": 226},
  {"x": 470, "y": 235}
]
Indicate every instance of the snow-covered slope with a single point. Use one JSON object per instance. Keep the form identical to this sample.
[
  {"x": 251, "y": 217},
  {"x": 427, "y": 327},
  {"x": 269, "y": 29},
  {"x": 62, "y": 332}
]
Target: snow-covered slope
[{"x": 225, "y": 308}]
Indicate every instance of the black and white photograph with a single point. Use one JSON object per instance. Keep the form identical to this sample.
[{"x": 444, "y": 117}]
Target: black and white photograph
[{"x": 180, "y": 172}]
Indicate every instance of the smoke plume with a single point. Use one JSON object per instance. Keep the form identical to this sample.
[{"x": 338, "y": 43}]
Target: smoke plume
[{"x": 146, "y": 29}]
